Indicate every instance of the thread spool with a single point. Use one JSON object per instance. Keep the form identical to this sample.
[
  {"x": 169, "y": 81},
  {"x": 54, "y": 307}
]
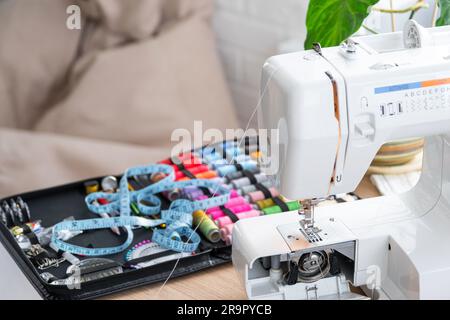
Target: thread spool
[
  {"x": 231, "y": 203},
  {"x": 239, "y": 174},
  {"x": 187, "y": 160},
  {"x": 252, "y": 188},
  {"x": 259, "y": 195},
  {"x": 194, "y": 170},
  {"x": 229, "y": 240},
  {"x": 206, "y": 226},
  {"x": 223, "y": 221},
  {"x": 191, "y": 192},
  {"x": 248, "y": 165},
  {"x": 224, "y": 162},
  {"x": 226, "y": 230},
  {"x": 236, "y": 209},
  {"x": 293, "y": 205},
  {"x": 91, "y": 186},
  {"x": 236, "y": 201},
  {"x": 170, "y": 194},
  {"x": 219, "y": 163},
  {"x": 266, "y": 203},
  {"x": 211, "y": 157},
  {"x": 204, "y": 175},
  {"x": 219, "y": 180},
  {"x": 185, "y": 165},
  {"x": 223, "y": 234},
  {"x": 194, "y": 193},
  {"x": 239, "y": 183},
  {"x": 234, "y": 194}
]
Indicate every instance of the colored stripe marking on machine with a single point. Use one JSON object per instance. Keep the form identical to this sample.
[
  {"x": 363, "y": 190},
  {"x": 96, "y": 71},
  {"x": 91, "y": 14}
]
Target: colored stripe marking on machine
[{"x": 412, "y": 85}]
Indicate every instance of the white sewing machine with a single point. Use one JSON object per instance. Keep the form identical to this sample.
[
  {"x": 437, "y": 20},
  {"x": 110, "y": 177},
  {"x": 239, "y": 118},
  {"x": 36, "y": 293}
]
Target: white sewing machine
[{"x": 334, "y": 108}]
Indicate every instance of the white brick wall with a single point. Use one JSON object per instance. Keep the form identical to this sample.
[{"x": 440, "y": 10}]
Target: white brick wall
[{"x": 249, "y": 31}]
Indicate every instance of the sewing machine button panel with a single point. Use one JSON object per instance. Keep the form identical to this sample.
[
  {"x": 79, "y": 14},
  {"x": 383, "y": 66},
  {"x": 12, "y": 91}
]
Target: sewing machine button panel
[{"x": 416, "y": 101}]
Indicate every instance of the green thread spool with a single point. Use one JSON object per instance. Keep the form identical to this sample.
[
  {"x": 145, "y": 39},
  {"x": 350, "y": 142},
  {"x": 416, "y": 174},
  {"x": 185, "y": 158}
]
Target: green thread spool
[
  {"x": 207, "y": 227},
  {"x": 293, "y": 205}
]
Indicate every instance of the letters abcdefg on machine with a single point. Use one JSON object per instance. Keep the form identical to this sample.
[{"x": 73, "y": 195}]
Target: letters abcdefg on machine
[{"x": 334, "y": 108}]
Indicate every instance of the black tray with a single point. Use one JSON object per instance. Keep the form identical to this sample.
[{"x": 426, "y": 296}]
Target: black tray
[{"x": 55, "y": 204}]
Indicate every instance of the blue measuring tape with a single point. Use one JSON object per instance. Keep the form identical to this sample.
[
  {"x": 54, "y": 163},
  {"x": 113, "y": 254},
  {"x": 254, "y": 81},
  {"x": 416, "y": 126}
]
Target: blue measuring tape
[{"x": 178, "y": 217}]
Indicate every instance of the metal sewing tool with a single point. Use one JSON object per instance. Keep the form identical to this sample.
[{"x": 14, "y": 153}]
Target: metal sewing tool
[
  {"x": 143, "y": 249},
  {"x": 6, "y": 218},
  {"x": 41, "y": 258},
  {"x": 86, "y": 271},
  {"x": 153, "y": 262},
  {"x": 24, "y": 208},
  {"x": 9, "y": 212}
]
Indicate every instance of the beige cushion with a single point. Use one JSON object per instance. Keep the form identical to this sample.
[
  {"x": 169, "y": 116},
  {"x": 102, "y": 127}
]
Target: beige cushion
[
  {"x": 110, "y": 23},
  {"x": 141, "y": 92},
  {"x": 174, "y": 10},
  {"x": 135, "y": 20},
  {"x": 31, "y": 161},
  {"x": 36, "y": 50}
]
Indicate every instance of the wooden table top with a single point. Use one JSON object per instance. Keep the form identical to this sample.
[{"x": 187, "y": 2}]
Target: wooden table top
[{"x": 219, "y": 283}]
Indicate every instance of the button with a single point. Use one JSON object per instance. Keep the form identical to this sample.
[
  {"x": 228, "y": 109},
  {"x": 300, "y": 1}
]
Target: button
[
  {"x": 383, "y": 110},
  {"x": 365, "y": 129},
  {"x": 391, "y": 109},
  {"x": 364, "y": 103}
]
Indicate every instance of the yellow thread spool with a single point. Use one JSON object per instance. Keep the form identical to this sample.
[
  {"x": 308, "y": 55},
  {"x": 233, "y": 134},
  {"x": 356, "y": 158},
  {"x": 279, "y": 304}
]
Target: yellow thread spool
[
  {"x": 206, "y": 226},
  {"x": 91, "y": 187}
]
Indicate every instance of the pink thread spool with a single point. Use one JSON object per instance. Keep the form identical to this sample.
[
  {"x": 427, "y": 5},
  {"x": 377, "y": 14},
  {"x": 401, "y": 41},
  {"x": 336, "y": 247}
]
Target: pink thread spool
[
  {"x": 231, "y": 203},
  {"x": 223, "y": 221},
  {"x": 234, "y": 194},
  {"x": 226, "y": 230},
  {"x": 223, "y": 234},
  {"x": 237, "y": 209},
  {"x": 259, "y": 195},
  {"x": 229, "y": 240}
]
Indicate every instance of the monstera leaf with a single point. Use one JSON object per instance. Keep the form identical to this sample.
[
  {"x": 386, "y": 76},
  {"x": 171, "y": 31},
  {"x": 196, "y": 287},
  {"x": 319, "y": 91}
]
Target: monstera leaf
[
  {"x": 332, "y": 21},
  {"x": 445, "y": 13}
]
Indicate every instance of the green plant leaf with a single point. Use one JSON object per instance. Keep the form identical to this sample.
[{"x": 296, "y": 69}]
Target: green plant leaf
[
  {"x": 330, "y": 22},
  {"x": 444, "y": 19}
]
